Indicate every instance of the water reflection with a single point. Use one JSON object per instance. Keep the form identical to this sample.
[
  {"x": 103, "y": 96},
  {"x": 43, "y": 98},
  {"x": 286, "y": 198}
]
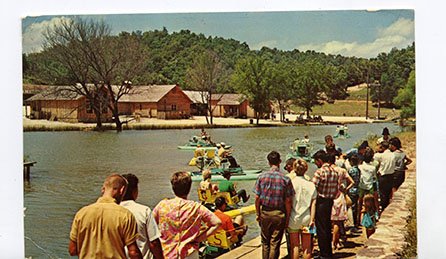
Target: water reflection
[{"x": 71, "y": 167}]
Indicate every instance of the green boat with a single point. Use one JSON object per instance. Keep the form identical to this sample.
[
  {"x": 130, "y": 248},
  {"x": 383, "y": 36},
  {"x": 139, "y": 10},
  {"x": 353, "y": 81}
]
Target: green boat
[
  {"x": 342, "y": 132},
  {"x": 237, "y": 174},
  {"x": 194, "y": 141},
  {"x": 300, "y": 150}
]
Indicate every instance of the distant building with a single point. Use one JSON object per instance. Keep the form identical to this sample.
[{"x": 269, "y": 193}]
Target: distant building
[
  {"x": 160, "y": 101},
  {"x": 197, "y": 107},
  {"x": 231, "y": 105},
  {"x": 63, "y": 104}
]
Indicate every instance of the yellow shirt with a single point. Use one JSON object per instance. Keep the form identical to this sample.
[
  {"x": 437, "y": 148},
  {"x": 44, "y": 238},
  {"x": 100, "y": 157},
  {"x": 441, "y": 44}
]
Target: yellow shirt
[{"x": 103, "y": 229}]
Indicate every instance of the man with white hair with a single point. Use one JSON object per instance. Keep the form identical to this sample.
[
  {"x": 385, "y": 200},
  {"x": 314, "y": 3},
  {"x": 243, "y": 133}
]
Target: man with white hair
[{"x": 223, "y": 153}]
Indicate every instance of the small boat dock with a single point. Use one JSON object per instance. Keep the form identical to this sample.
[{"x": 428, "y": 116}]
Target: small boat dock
[{"x": 27, "y": 169}]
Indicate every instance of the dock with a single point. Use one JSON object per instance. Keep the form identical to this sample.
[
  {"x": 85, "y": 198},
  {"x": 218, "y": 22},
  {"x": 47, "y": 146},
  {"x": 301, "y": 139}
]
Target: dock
[
  {"x": 252, "y": 249},
  {"x": 27, "y": 169}
]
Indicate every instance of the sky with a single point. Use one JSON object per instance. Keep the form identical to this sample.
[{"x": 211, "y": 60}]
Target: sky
[{"x": 349, "y": 33}]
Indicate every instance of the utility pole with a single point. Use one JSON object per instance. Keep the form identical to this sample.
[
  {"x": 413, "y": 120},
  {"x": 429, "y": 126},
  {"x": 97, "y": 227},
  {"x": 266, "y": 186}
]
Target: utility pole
[
  {"x": 379, "y": 100},
  {"x": 367, "y": 99}
]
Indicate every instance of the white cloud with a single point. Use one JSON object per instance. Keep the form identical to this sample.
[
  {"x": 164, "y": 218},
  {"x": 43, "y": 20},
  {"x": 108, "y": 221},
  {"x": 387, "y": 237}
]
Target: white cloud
[
  {"x": 400, "y": 34},
  {"x": 32, "y": 36},
  {"x": 269, "y": 44}
]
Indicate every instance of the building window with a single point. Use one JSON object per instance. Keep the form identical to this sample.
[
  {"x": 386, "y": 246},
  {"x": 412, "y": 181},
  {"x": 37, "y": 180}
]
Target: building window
[
  {"x": 174, "y": 107},
  {"x": 140, "y": 107}
]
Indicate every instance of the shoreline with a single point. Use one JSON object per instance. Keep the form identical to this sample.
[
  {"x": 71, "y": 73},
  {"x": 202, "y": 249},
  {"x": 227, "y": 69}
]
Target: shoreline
[{"x": 194, "y": 123}]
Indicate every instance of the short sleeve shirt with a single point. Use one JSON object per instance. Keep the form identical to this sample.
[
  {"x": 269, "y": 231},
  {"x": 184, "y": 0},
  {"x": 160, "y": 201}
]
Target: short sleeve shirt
[
  {"x": 179, "y": 222},
  {"x": 400, "y": 156},
  {"x": 368, "y": 176},
  {"x": 103, "y": 229},
  {"x": 226, "y": 221},
  {"x": 226, "y": 186},
  {"x": 147, "y": 227},
  {"x": 355, "y": 174},
  {"x": 326, "y": 180},
  {"x": 273, "y": 188},
  {"x": 386, "y": 162}
]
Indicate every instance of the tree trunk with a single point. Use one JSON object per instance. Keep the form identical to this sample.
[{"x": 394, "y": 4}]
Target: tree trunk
[
  {"x": 98, "y": 119},
  {"x": 116, "y": 117},
  {"x": 257, "y": 118},
  {"x": 308, "y": 113}
]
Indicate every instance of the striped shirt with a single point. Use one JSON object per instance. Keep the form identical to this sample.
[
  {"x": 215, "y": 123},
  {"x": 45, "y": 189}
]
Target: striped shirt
[
  {"x": 273, "y": 188},
  {"x": 326, "y": 180}
]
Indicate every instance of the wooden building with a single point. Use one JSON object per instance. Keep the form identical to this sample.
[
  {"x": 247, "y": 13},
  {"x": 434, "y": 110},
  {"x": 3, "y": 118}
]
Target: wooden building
[
  {"x": 231, "y": 105},
  {"x": 160, "y": 101},
  {"x": 198, "y": 107},
  {"x": 62, "y": 104}
]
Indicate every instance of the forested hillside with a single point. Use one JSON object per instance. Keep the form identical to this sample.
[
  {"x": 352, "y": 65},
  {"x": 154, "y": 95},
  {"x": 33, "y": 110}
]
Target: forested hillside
[{"x": 162, "y": 57}]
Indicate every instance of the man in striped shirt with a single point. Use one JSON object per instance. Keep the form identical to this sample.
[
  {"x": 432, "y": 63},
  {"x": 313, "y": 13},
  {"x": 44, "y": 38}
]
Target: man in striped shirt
[
  {"x": 326, "y": 181},
  {"x": 274, "y": 192}
]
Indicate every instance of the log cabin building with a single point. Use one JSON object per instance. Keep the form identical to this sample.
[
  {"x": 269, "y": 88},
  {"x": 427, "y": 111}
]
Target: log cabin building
[
  {"x": 156, "y": 101},
  {"x": 231, "y": 105}
]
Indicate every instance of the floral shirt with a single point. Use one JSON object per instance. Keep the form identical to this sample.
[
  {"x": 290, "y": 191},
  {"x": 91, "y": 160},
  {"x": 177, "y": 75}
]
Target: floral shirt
[
  {"x": 355, "y": 173},
  {"x": 179, "y": 221}
]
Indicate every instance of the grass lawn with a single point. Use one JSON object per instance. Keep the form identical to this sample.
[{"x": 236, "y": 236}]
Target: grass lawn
[{"x": 349, "y": 108}]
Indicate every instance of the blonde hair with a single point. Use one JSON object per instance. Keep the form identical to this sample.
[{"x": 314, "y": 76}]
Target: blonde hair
[
  {"x": 115, "y": 182},
  {"x": 300, "y": 166}
]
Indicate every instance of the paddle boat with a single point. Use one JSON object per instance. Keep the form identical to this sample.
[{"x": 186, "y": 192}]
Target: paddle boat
[
  {"x": 237, "y": 174},
  {"x": 300, "y": 149},
  {"x": 341, "y": 132},
  {"x": 196, "y": 140},
  {"x": 221, "y": 242}
]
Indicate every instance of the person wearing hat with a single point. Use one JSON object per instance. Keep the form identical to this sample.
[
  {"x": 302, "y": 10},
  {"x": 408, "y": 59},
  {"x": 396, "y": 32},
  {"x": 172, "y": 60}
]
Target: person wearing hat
[
  {"x": 228, "y": 186},
  {"x": 223, "y": 153},
  {"x": 385, "y": 137}
]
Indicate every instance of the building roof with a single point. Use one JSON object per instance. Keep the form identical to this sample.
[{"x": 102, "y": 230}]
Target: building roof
[
  {"x": 56, "y": 93},
  {"x": 195, "y": 96},
  {"x": 147, "y": 93},
  {"x": 34, "y": 89},
  {"x": 229, "y": 99}
]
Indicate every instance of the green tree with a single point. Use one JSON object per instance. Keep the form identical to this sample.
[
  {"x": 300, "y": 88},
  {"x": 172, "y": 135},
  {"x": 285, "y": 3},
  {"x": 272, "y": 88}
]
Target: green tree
[
  {"x": 309, "y": 85},
  {"x": 406, "y": 97},
  {"x": 252, "y": 77},
  {"x": 282, "y": 84}
]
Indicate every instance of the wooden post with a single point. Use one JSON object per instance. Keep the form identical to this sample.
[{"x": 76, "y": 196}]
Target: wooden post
[{"x": 27, "y": 169}]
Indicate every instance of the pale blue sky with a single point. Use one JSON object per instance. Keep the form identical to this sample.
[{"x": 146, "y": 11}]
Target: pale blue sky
[{"x": 350, "y": 33}]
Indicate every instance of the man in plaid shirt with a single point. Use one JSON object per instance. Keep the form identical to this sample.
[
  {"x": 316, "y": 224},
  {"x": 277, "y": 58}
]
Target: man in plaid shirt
[
  {"x": 274, "y": 192},
  {"x": 326, "y": 181}
]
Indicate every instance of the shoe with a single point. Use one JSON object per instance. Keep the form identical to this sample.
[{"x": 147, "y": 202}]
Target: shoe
[{"x": 356, "y": 230}]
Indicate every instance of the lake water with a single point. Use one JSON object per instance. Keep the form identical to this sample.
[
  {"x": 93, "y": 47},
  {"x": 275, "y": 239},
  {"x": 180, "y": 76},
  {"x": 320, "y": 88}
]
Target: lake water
[{"x": 71, "y": 167}]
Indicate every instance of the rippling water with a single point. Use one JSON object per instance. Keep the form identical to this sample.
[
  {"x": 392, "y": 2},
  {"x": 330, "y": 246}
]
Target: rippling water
[{"x": 71, "y": 167}]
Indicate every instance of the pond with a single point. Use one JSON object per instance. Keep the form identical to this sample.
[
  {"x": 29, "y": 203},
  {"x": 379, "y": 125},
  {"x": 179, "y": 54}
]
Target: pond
[{"x": 71, "y": 167}]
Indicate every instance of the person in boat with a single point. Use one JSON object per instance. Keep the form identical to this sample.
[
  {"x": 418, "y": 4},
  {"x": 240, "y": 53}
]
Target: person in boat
[
  {"x": 274, "y": 192},
  {"x": 223, "y": 153},
  {"x": 329, "y": 141},
  {"x": 103, "y": 229},
  {"x": 228, "y": 186},
  {"x": 148, "y": 241},
  {"x": 303, "y": 211},
  {"x": 306, "y": 139},
  {"x": 235, "y": 228},
  {"x": 206, "y": 184},
  {"x": 181, "y": 221},
  {"x": 203, "y": 133},
  {"x": 385, "y": 136}
]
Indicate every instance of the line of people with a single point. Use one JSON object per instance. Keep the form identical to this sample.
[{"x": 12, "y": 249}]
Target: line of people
[
  {"x": 116, "y": 226},
  {"x": 293, "y": 204}
]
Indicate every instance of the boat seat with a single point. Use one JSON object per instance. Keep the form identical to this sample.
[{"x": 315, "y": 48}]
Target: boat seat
[
  {"x": 208, "y": 197},
  {"x": 220, "y": 239}
]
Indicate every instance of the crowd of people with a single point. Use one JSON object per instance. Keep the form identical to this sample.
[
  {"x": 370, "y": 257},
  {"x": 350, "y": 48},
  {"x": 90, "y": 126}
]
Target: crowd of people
[{"x": 363, "y": 179}]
